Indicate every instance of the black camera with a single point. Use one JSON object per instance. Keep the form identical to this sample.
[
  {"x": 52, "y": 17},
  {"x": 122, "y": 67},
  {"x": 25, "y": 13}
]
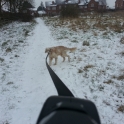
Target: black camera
[{"x": 68, "y": 110}]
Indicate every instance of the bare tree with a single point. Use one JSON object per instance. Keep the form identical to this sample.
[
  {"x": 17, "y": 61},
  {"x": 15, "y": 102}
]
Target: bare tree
[
  {"x": 2, "y": 2},
  {"x": 16, "y": 5},
  {"x": 103, "y": 5}
]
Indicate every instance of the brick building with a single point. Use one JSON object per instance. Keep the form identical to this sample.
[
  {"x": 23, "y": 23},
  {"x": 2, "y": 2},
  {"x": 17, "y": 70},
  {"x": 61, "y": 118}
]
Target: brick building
[
  {"x": 96, "y": 5},
  {"x": 119, "y": 4},
  {"x": 54, "y": 8}
]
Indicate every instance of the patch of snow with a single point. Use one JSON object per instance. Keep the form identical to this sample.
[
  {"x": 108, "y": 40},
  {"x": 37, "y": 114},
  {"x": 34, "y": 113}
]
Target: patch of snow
[{"x": 26, "y": 83}]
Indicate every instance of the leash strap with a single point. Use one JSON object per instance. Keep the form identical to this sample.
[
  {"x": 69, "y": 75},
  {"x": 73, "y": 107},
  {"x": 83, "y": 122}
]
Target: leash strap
[{"x": 60, "y": 86}]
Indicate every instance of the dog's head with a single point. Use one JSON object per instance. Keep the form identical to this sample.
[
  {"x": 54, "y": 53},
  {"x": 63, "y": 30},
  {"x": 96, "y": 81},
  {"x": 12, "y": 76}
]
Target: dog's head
[{"x": 47, "y": 50}]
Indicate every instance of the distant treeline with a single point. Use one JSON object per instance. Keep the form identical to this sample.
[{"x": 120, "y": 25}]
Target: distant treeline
[{"x": 13, "y": 5}]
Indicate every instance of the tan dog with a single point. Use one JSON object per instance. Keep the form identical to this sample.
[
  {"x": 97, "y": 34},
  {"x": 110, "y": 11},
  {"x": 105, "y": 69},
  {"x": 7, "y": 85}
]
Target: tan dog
[{"x": 54, "y": 52}]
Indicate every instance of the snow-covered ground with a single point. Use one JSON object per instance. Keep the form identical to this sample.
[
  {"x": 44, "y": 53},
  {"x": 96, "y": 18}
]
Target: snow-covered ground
[{"x": 93, "y": 72}]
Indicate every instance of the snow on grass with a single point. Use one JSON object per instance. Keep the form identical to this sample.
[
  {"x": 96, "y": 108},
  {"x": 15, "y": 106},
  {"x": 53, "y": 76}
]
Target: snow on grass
[
  {"x": 96, "y": 70},
  {"x": 13, "y": 42},
  {"x": 96, "y": 65}
]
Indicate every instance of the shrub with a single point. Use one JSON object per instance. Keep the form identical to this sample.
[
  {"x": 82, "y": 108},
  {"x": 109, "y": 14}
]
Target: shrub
[
  {"x": 80, "y": 71},
  {"x": 26, "y": 17},
  {"x": 122, "y": 40},
  {"x": 86, "y": 43},
  {"x": 69, "y": 11},
  {"x": 121, "y": 77},
  {"x": 108, "y": 82},
  {"x": 1, "y": 59},
  {"x": 121, "y": 108}
]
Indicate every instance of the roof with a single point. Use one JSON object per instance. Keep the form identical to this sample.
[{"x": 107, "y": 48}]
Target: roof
[
  {"x": 69, "y": 2},
  {"x": 41, "y": 12},
  {"x": 33, "y": 9},
  {"x": 60, "y": 1},
  {"x": 82, "y": 2},
  {"x": 66, "y": 1},
  {"x": 50, "y": 3},
  {"x": 102, "y": 2}
]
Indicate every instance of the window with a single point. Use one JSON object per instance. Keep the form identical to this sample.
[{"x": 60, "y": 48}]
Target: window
[
  {"x": 59, "y": 7},
  {"x": 92, "y": 5},
  {"x": 53, "y": 8}
]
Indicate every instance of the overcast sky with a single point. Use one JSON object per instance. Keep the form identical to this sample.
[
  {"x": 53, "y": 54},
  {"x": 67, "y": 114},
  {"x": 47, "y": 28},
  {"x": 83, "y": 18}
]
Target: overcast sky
[{"x": 110, "y": 3}]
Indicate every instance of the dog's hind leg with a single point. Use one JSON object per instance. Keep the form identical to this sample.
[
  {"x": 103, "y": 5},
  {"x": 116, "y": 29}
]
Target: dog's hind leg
[
  {"x": 68, "y": 57},
  {"x": 65, "y": 55},
  {"x": 63, "y": 58}
]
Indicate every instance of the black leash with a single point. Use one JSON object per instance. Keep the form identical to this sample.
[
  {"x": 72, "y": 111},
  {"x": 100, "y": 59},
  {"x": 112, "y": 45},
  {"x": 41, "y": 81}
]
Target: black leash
[
  {"x": 71, "y": 109},
  {"x": 60, "y": 86}
]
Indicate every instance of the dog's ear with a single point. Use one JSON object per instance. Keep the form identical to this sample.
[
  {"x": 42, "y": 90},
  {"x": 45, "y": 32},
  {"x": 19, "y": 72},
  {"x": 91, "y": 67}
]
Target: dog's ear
[
  {"x": 50, "y": 50},
  {"x": 46, "y": 50}
]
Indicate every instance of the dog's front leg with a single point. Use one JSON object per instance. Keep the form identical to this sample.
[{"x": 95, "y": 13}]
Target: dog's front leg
[
  {"x": 56, "y": 61},
  {"x": 50, "y": 60}
]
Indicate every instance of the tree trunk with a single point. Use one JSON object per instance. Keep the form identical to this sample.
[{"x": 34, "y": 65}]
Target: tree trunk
[
  {"x": 10, "y": 3},
  {"x": 0, "y": 7}
]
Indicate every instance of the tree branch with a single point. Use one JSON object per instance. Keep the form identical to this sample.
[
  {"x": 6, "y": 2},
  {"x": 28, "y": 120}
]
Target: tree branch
[{"x": 3, "y": 3}]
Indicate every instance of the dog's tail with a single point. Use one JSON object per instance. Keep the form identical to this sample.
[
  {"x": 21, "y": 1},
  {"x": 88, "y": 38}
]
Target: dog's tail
[{"x": 72, "y": 49}]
